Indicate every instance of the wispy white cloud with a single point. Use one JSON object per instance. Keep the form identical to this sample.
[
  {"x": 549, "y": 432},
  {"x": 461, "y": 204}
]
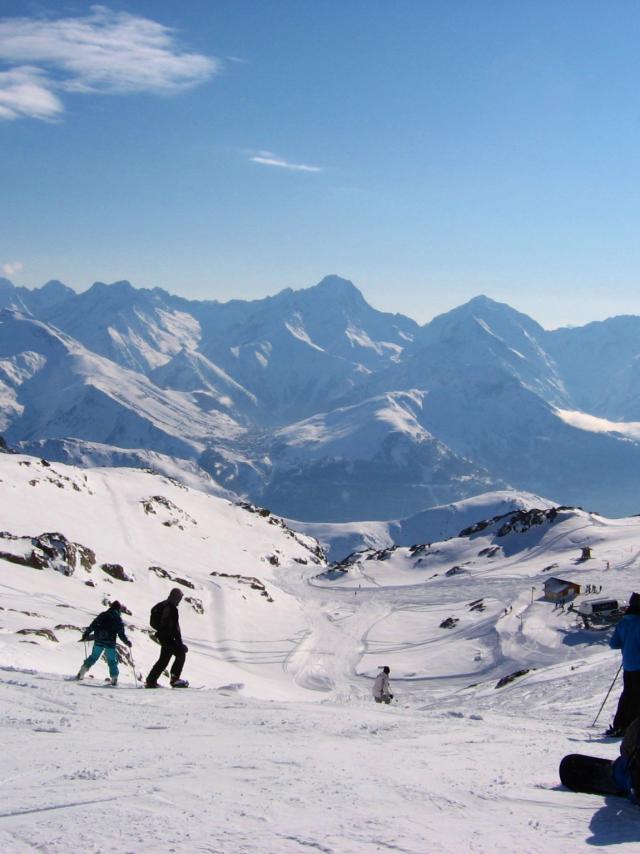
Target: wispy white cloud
[
  {"x": 102, "y": 52},
  {"x": 268, "y": 158},
  {"x": 12, "y": 267},
  {"x": 27, "y": 92}
]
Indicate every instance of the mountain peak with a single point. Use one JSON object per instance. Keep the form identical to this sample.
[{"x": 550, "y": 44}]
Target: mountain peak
[
  {"x": 54, "y": 286},
  {"x": 484, "y": 308},
  {"x": 331, "y": 290},
  {"x": 122, "y": 286},
  {"x": 333, "y": 280},
  {"x": 483, "y": 300},
  {"x": 337, "y": 285}
]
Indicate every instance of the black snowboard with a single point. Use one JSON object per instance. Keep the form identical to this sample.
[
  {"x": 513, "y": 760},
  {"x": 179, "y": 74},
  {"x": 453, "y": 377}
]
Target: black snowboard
[{"x": 588, "y": 774}]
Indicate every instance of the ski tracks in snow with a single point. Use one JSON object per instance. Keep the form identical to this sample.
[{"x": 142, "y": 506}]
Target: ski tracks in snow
[{"x": 326, "y": 658}]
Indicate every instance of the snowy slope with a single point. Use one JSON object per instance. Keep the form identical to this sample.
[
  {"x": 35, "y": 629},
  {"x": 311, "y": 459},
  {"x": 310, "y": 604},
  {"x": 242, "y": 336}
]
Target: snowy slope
[
  {"x": 136, "y": 328},
  {"x": 138, "y": 520},
  {"x": 89, "y": 454},
  {"x": 340, "y": 539},
  {"x": 502, "y": 565},
  {"x": 300, "y": 351},
  {"x": 599, "y": 364},
  {"x": 366, "y": 461},
  {"x": 249, "y": 764},
  {"x": 189, "y": 371},
  {"x": 58, "y": 389},
  {"x": 485, "y": 332}
]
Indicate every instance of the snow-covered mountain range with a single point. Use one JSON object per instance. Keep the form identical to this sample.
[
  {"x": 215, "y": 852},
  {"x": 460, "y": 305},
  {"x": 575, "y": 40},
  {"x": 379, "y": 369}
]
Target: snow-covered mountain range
[{"x": 317, "y": 405}]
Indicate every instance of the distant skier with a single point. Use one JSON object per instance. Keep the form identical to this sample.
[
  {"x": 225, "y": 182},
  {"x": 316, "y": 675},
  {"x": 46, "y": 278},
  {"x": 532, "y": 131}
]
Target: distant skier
[
  {"x": 166, "y": 622},
  {"x": 103, "y": 631},
  {"x": 626, "y": 637},
  {"x": 381, "y": 690}
]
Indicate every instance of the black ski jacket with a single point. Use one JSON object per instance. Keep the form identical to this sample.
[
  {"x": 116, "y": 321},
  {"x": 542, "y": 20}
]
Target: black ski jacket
[
  {"x": 169, "y": 631},
  {"x": 106, "y": 627}
]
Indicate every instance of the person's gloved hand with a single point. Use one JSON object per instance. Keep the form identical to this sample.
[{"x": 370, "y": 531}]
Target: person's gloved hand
[
  {"x": 129, "y": 644},
  {"x": 185, "y": 648}
]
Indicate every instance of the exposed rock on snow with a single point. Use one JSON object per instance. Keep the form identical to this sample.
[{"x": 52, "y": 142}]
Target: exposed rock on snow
[
  {"x": 518, "y": 521},
  {"x": 163, "y": 573},
  {"x": 115, "y": 570},
  {"x": 53, "y": 551},
  {"x": 254, "y": 583},
  {"x": 506, "y": 680},
  {"x": 43, "y": 633}
]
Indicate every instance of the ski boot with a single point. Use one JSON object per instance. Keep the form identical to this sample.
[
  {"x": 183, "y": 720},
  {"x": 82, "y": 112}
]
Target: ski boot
[
  {"x": 179, "y": 683},
  {"x": 614, "y": 732}
]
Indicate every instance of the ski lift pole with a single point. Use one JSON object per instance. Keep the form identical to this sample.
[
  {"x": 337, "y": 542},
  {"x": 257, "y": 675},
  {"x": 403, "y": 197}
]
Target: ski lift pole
[{"x": 607, "y": 697}]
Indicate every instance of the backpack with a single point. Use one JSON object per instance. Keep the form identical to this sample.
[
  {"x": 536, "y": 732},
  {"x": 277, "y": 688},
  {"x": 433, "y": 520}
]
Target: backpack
[{"x": 155, "y": 617}]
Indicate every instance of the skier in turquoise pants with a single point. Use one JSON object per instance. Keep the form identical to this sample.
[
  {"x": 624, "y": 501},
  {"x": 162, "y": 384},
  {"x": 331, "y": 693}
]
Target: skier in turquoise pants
[
  {"x": 104, "y": 630},
  {"x": 112, "y": 660}
]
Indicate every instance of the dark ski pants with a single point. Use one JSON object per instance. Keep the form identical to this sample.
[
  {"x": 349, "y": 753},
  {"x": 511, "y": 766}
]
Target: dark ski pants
[
  {"x": 629, "y": 702},
  {"x": 167, "y": 649}
]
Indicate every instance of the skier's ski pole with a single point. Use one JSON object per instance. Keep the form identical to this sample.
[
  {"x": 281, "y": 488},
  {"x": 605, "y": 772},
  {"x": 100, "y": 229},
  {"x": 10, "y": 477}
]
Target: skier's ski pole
[
  {"x": 607, "y": 697},
  {"x": 133, "y": 667}
]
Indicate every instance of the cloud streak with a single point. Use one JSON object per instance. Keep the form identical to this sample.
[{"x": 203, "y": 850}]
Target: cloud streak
[
  {"x": 267, "y": 158},
  {"x": 26, "y": 92},
  {"x": 103, "y": 52},
  {"x": 13, "y": 267}
]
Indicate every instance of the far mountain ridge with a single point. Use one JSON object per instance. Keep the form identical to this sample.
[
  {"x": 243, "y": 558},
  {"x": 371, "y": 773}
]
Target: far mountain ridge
[
  {"x": 321, "y": 406},
  {"x": 332, "y": 285}
]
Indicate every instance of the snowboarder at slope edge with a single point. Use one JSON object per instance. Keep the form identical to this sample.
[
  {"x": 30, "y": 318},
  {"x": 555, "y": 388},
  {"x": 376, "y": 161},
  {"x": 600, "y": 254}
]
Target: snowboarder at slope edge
[{"x": 166, "y": 622}]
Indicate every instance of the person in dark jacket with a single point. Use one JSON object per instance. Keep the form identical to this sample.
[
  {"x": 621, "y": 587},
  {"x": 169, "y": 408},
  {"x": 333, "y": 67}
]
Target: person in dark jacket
[
  {"x": 104, "y": 630},
  {"x": 626, "y": 637},
  {"x": 170, "y": 639}
]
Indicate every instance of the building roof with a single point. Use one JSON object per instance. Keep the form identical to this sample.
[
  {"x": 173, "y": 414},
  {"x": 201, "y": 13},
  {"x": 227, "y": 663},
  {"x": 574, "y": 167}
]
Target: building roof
[{"x": 553, "y": 585}]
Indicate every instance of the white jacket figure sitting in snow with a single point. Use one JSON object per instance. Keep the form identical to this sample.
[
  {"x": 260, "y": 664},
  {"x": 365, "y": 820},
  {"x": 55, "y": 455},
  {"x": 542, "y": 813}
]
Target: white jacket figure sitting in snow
[{"x": 381, "y": 691}]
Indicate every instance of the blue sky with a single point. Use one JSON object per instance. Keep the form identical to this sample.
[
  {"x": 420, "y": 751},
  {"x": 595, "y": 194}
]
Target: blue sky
[{"x": 429, "y": 151}]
